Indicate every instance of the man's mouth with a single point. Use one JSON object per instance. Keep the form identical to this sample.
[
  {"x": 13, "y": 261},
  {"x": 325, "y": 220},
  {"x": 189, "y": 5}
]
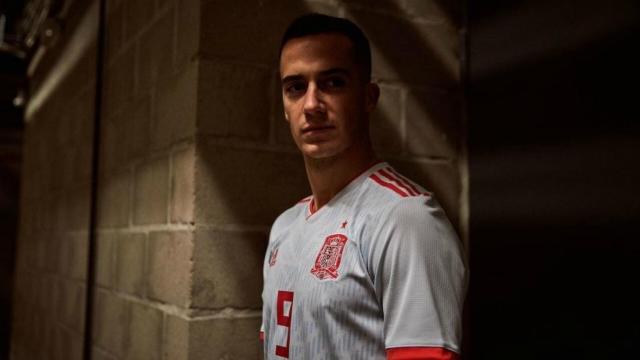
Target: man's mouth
[{"x": 317, "y": 129}]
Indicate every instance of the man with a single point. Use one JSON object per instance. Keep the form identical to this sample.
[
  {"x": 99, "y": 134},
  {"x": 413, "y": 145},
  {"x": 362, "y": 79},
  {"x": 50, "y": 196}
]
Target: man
[{"x": 368, "y": 266}]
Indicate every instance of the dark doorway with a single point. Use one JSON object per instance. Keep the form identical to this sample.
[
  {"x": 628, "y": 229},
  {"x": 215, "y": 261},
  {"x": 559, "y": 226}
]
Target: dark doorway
[{"x": 554, "y": 170}]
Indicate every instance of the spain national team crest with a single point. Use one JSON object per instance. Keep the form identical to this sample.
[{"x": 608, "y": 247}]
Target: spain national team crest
[{"x": 329, "y": 257}]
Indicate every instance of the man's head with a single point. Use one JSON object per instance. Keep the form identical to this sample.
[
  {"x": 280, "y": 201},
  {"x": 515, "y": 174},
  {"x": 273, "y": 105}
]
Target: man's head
[
  {"x": 325, "y": 66},
  {"x": 314, "y": 24}
]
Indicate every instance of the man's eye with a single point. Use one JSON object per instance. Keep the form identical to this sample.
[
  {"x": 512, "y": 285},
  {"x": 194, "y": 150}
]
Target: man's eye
[
  {"x": 335, "y": 83},
  {"x": 294, "y": 88}
]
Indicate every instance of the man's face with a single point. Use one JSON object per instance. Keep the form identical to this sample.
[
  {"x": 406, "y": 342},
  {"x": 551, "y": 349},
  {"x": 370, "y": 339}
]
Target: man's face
[{"x": 326, "y": 99}]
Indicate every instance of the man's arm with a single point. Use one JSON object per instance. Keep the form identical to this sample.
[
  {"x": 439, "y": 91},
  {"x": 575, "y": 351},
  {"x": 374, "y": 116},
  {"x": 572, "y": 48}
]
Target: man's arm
[{"x": 420, "y": 280}]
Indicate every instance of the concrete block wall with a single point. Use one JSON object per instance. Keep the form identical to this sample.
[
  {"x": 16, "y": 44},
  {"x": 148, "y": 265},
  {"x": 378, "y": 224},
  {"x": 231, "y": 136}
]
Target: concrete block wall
[
  {"x": 48, "y": 317},
  {"x": 195, "y": 164},
  {"x": 145, "y": 222}
]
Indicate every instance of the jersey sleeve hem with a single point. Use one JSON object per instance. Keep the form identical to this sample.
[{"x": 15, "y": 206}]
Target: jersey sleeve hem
[{"x": 421, "y": 353}]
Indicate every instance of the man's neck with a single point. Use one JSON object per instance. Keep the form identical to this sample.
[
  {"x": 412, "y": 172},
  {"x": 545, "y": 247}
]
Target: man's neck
[{"x": 328, "y": 176}]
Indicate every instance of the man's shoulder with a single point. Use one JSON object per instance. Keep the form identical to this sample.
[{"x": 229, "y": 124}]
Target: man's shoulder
[
  {"x": 385, "y": 189},
  {"x": 292, "y": 213}
]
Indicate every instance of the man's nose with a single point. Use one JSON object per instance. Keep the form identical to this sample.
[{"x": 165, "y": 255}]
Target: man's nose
[{"x": 313, "y": 103}]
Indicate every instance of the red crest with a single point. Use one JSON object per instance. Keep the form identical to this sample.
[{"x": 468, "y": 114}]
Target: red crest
[
  {"x": 329, "y": 257},
  {"x": 273, "y": 256}
]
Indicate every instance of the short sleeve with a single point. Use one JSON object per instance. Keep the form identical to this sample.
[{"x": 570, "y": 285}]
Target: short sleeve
[{"x": 419, "y": 275}]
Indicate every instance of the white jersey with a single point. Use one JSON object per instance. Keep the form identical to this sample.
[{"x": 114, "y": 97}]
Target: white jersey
[{"x": 379, "y": 267}]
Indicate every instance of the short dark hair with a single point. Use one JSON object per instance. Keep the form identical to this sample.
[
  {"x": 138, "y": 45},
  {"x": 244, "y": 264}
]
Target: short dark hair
[{"x": 313, "y": 24}]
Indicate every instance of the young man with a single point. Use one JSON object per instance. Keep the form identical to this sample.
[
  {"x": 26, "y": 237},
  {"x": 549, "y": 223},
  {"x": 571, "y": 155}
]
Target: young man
[{"x": 368, "y": 266}]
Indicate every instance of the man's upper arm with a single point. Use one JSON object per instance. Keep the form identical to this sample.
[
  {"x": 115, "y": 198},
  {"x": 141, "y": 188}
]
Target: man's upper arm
[{"x": 420, "y": 280}]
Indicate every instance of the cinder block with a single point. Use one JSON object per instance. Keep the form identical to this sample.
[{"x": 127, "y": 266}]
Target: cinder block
[
  {"x": 66, "y": 345},
  {"x": 176, "y": 338},
  {"x": 187, "y": 32},
  {"x": 115, "y": 135},
  {"x": 227, "y": 269},
  {"x": 280, "y": 126},
  {"x": 130, "y": 260},
  {"x": 105, "y": 259},
  {"x": 415, "y": 53},
  {"x": 387, "y": 122},
  {"x": 118, "y": 80},
  {"x": 145, "y": 334},
  {"x": 241, "y": 186},
  {"x": 151, "y": 192},
  {"x": 111, "y": 319},
  {"x": 137, "y": 14},
  {"x": 114, "y": 29},
  {"x": 78, "y": 207},
  {"x": 99, "y": 354},
  {"x": 139, "y": 127},
  {"x": 155, "y": 53},
  {"x": 182, "y": 185},
  {"x": 258, "y": 26},
  {"x": 170, "y": 266},
  {"x": 77, "y": 256},
  {"x": 225, "y": 339},
  {"x": 174, "y": 110},
  {"x": 70, "y": 304},
  {"x": 233, "y": 100},
  {"x": 433, "y": 124},
  {"x": 442, "y": 179},
  {"x": 113, "y": 201}
]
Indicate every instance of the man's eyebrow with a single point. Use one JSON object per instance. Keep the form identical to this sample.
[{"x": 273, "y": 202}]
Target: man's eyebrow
[
  {"x": 332, "y": 71},
  {"x": 290, "y": 78}
]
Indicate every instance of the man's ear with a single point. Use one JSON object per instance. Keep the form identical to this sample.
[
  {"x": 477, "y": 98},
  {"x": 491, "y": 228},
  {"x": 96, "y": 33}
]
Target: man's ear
[
  {"x": 373, "y": 94},
  {"x": 286, "y": 116}
]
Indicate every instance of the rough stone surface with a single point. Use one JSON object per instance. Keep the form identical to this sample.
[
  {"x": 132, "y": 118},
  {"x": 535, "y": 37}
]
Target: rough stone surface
[
  {"x": 176, "y": 338},
  {"x": 113, "y": 201},
  {"x": 130, "y": 264},
  {"x": 433, "y": 124},
  {"x": 170, "y": 266},
  {"x": 257, "y": 25},
  {"x": 417, "y": 53},
  {"x": 145, "y": 334},
  {"x": 174, "y": 115},
  {"x": 387, "y": 122},
  {"x": 111, "y": 316},
  {"x": 151, "y": 192},
  {"x": 241, "y": 186},
  {"x": 228, "y": 100},
  {"x": 224, "y": 339},
  {"x": 155, "y": 53},
  {"x": 228, "y": 269},
  {"x": 105, "y": 259},
  {"x": 182, "y": 185}
]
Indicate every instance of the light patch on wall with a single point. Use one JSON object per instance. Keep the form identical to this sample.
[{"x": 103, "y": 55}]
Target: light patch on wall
[{"x": 77, "y": 45}]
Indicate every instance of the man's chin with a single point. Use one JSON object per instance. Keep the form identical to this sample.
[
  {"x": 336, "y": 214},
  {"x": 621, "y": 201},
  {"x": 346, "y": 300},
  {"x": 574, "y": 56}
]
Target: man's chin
[{"x": 318, "y": 152}]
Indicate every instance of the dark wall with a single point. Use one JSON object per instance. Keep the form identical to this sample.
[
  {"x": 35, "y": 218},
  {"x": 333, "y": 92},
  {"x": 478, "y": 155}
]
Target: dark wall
[{"x": 553, "y": 131}]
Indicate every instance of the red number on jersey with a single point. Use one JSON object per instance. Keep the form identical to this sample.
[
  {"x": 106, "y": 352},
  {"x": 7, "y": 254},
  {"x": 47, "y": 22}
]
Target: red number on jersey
[{"x": 284, "y": 319}]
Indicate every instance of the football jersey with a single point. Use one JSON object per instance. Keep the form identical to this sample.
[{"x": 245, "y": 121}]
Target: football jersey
[{"x": 377, "y": 268}]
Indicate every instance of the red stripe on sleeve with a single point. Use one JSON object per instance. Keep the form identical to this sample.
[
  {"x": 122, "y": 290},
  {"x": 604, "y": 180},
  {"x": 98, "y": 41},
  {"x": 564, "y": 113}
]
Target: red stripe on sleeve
[
  {"x": 421, "y": 353},
  {"x": 398, "y": 181},
  {"x": 261, "y": 335},
  {"x": 405, "y": 180},
  {"x": 377, "y": 179}
]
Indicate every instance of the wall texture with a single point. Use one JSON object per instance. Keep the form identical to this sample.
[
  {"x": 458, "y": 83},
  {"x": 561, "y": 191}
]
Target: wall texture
[
  {"x": 51, "y": 265},
  {"x": 196, "y": 162}
]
